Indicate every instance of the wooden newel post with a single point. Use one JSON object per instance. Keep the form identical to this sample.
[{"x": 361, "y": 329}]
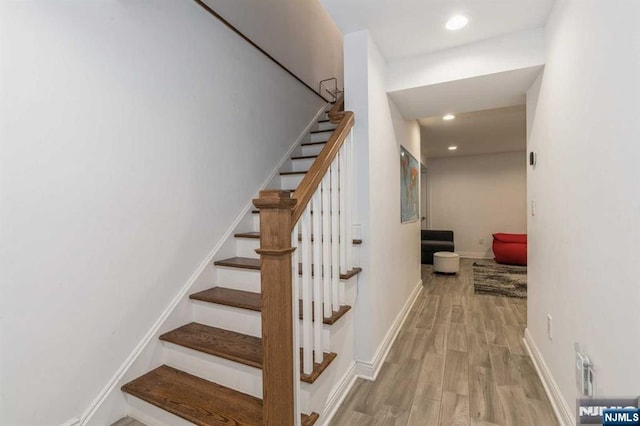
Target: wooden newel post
[{"x": 277, "y": 306}]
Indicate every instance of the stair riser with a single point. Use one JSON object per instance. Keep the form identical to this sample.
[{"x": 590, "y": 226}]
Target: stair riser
[
  {"x": 326, "y": 126},
  {"x": 301, "y": 165},
  {"x": 239, "y": 279},
  {"x": 246, "y": 247},
  {"x": 228, "y": 317},
  {"x": 255, "y": 221},
  {"x": 222, "y": 371},
  {"x": 151, "y": 415},
  {"x": 290, "y": 181},
  {"x": 311, "y": 149},
  {"x": 322, "y": 136},
  {"x": 240, "y": 320}
]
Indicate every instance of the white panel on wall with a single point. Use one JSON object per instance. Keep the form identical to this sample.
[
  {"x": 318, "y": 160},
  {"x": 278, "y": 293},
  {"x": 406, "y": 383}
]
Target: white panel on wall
[
  {"x": 390, "y": 255},
  {"x": 583, "y": 240}
]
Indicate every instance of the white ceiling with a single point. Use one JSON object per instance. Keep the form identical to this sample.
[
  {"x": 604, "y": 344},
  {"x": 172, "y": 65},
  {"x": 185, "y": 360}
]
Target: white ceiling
[
  {"x": 479, "y": 132},
  {"x": 403, "y": 28},
  {"x": 469, "y": 94}
]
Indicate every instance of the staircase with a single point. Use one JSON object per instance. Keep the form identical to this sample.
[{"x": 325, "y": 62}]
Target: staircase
[{"x": 212, "y": 368}]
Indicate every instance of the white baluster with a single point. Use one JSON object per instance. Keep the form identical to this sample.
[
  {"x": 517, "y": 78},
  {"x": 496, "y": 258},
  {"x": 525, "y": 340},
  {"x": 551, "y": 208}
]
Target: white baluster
[
  {"x": 295, "y": 269},
  {"x": 326, "y": 244},
  {"x": 349, "y": 196},
  {"x": 317, "y": 277},
  {"x": 307, "y": 324},
  {"x": 335, "y": 235},
  {"x": 342, "y": 172}
]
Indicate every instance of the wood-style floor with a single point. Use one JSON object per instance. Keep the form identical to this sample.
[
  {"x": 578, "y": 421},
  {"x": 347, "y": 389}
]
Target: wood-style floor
[{"x": 458, "y": 360}]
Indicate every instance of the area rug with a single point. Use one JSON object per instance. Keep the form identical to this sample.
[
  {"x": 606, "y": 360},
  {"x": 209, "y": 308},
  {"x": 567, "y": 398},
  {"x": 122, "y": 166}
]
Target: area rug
[{"x": 500, "y": 280}]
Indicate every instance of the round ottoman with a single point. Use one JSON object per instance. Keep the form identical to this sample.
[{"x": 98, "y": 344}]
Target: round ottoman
[{"x": 446, "y": 262}]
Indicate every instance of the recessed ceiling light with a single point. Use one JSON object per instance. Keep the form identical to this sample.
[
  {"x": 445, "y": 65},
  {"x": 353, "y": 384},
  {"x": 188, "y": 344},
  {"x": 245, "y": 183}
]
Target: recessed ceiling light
[
  {"x": 453, "y": 148},
  {"x": 456, "y": 22},
  {"x": 448, "y": 117}
]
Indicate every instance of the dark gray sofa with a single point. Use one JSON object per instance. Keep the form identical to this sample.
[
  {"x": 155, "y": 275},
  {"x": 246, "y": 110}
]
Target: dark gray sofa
[{"x": 434, "y": 241}]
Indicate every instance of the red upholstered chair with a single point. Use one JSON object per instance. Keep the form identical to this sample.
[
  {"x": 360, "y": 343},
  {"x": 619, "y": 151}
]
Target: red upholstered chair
[{"x": 510, "y": 249}]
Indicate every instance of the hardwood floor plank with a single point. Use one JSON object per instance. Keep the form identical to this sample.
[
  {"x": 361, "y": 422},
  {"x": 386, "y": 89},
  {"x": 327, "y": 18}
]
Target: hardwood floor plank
[
  {"x": 458, "y": 314},
  {"x": 389, "y": 415},
  {"x": 457, "y": 337},
  {"x": 352, "y": 418},
  {"x": 430, "y": 381},
  {"x": 484, "y": 401},
  {"x": 402, "y": 387},
  {"x": 478, "y": 350},
  {"x": 504, "y": 366},
  {"x": 513, "y": 336},
  {"x": 443, "y": 314},
  {"x": 454, "y": 410},
  {"x": 424, "y": 411},
  {"x": 456, "y": 372},
  {"x": 541, "y": 413},
  {"x": 515, "y": 406},
  {"x": 531, "y": 383},
  {"x": 427, "y": 316},
  {"x": 495, "y": 332},
  {"x": 476, "y": 322},
  {"x": 436, "y": 340}
]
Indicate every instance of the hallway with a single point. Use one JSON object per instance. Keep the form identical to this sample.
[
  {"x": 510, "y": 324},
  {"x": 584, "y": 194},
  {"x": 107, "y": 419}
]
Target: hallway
[{"x": 459, "y": 360}]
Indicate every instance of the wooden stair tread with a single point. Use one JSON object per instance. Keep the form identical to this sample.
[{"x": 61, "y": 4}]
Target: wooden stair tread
[
  {"x": 251, "y": 301},
  {"x": 303, "y": 157},
  {"x": 199, "y": 401},
  {"x": 230, "y": 297},
  {"x": 256, "y": 235},
  {"x": 231, "y": 345},
  {"x": 251, "y": 263},
  {"x": 226, "y": 344},
  {"x": 313, "y": 143},
  {"x": 293, "y": 173},
  {"x": 239, "y": 262},
  {"x": 322, "y": 131}
]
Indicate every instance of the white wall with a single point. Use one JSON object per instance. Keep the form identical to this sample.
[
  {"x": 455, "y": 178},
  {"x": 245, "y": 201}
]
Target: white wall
[
  {"x": 390, "y": 254},
  {"x": 132, "y": 134},
  {"x": 477, "y": 196},
  {"x": 583, "y": 240},
  {"x": 299, "y": 34}
]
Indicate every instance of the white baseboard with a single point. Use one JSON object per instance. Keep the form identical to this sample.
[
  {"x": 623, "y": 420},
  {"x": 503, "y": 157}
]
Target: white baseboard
[
  {"x": 338, "y": 394},
  {"x": 562, "y": 410},
  {"x": 369, "y": 369},
  {"x": 112, "y": 385},
  {"x": 474, "y": 255}
]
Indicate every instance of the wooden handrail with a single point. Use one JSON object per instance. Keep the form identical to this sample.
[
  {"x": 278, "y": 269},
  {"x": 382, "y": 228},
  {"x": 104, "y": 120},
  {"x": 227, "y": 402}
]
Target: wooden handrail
[{"x": 314, "y": 176}]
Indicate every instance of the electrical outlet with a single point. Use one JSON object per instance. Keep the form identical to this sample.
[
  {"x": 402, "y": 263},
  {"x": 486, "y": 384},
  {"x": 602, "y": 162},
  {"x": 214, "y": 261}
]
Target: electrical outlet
[
  {"x": 549, "y": 327},
  {"x": 533, "y": 207}
]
